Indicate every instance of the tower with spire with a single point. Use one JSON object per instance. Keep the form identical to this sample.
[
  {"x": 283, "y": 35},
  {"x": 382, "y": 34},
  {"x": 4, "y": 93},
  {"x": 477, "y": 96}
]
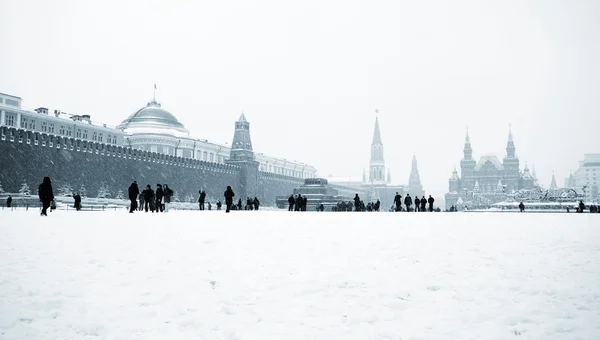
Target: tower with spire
[
  {"x": 467, "y": 164},
  {"x": 414, "y": 181},
  {"x": 377, "y": 163},
  {"x": 242, "y": 155},
  {"x": 553, "y": 182},
  {"x": 511, "y": 164}
]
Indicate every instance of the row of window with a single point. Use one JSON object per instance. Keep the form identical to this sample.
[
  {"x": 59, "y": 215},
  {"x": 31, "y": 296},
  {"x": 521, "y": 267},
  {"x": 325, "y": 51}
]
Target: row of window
[
  {"x": 283, "y": 171},
  {"x": 63, "y": 130}
]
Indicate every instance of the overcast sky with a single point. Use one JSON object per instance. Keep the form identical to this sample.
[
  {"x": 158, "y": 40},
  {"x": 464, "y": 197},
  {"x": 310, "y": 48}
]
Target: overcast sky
[{"x": 310, "y": 74}]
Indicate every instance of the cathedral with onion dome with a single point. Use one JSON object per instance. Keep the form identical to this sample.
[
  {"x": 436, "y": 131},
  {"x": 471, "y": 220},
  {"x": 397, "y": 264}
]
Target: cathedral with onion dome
[{"x": 488, "y": 180}]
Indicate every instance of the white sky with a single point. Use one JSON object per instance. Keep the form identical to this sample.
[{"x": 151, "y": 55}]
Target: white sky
[{"x": 310, "y": 74}]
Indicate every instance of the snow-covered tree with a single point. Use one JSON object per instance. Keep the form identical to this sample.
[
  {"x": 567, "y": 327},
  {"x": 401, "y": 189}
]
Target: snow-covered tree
[
  {"x": 119, "y": 195},
  {"x": 65, "y": 190},
  {"x": 103, "y": 191},
  {"x": 82, "y": 191},
  {"x": 24, "y": 189},
  {"x": 1, "y": 189},
  {"x": 175, "y": 197},
  {"x": 189, "y": 198}
]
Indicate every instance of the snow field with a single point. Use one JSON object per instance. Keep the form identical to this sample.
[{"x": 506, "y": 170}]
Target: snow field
[{"x": 280, "y": 275}]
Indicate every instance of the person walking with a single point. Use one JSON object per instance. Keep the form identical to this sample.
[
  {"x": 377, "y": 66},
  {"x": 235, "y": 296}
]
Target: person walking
[
  {"x": 407, "y": 202},
  {"x": 133, "y": 192},
  {"x": 46, "y": 195},
  {"x": 201, "y": 199},
  {"x": 228, "y": 198},
  {"x": 430, "y": 200},
  {"x": 148, "y": 198},
  {"x": 398, "y": 201},
  {"x": 417, "y": 203}
]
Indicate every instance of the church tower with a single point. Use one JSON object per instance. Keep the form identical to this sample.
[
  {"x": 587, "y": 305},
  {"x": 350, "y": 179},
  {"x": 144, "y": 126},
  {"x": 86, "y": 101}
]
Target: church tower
[
  {"x": 414, "y": 181},
  {"x": 242, "y": 155},
  {"x": 467, "y": 165},
  {"x": 377, "y": 164},
  {"x": 511, "y": 164}
]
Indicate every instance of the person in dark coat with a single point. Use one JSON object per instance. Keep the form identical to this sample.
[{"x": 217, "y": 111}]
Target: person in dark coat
[
  {"x": 417, "y": 203},
  {"x": 46, "y": 195},
  {"x": 423, "y": 203},
  {"x": 291, "y": 202},
  {"x": 304, "y": 203},
  {"x": 159, "y": 198},
  {"x": 77, "y": 199},
  {"x": 133, "y": 192},
  {"x": 228, "y": 198},
  {"x": 168, "y": 192},
  {"x": 148, "y": 198},
  {"x": 581, "y": 206},
  {"x": 219, "y": 205},
  {"x": 521, "y": 207},
  {"x": 239, "y": 204},
  {"x": 9, "y": 202},
  {"x": 141, "y": 199},
  {"x": 430, "y": 201},
  {"x": 377, "y": 205},
  {"x": 357, "y": 203},
  {"x": 249, "y": 204},
  {"x": 201, "y": 199},
  {"x": 407, "y": 202},
  {"x": 398, "y": 201},
  {"x": 256, "y": 203}
]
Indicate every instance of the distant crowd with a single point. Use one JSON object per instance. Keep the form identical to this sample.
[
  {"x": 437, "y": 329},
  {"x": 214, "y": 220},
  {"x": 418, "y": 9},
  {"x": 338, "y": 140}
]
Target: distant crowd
[
  {"x": 158, "y": 200},
  {"x": 151, "y": 200}
]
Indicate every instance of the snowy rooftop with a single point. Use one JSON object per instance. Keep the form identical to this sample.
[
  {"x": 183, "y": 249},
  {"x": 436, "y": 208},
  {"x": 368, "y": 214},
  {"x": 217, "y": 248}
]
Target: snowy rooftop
[{"x": 280, "y": 275}]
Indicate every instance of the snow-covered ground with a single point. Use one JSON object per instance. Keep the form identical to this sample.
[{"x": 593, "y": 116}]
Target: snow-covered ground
[{"x": 280, "y": 275}]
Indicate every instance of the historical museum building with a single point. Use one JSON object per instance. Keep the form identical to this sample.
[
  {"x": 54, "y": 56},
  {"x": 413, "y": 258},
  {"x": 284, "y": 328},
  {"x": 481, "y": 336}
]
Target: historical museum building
[
  {"x": 152, "y": 135},
  {"x": 378, "y": 184},
  {"x": 488, "y": 180}
]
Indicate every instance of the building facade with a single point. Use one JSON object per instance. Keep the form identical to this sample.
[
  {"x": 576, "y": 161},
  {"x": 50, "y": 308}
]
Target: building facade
[
  {"x": 151, "y": 128},
  {"x": 587, "y": 177},
  {"x": 487, "y": 180}
]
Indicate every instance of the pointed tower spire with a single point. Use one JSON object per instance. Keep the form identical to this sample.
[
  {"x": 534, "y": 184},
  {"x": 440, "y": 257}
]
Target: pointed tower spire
[
  {"x": 553, "y": 182},
  {"x": 467, "y": 150},
  {"x": 377, "y": 163},
  {"x": 510, "y": 145},
  {"x": 376, "y": 133},
  {"x": 389, "y": 177},
  {"x": 414, "y": 181},
  {"x": 241, "y": 147}
]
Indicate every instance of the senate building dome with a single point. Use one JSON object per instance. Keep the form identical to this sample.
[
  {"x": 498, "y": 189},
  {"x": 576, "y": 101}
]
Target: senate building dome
[{"x": 152, "y": 116}]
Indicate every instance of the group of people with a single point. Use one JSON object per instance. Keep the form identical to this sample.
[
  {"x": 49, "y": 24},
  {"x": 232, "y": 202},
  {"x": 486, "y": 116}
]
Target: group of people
[
  {"x": 420, "y": 204},
  {"x": 148, "y": 198},
  {"x": 297, "y": 203}
]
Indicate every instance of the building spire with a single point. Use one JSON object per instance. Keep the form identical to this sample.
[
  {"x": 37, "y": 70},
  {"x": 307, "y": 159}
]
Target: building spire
[
  {"x": 553, "y": 183},
  {"x": 467, "y": 150},
  {"x": 414, "y": 181},
  {"x": 154, "y": 95},
  {"x": 376, "y": 133},
  {"x": 510, "y": 145}
]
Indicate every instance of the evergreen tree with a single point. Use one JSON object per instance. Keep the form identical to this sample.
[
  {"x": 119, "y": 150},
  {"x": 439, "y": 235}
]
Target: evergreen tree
[
  {"x": 82, "y": 191},
  {"x": 175, "y": 197},
  {"x": 1, "y": 189},
  {"x": 119, "y": 195},
  {"x": 103, "y": 192},
  {"x": 24, "y": 189},
  {"x": 189, "y": 198},
  {"x": 65, "y": 190}
]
